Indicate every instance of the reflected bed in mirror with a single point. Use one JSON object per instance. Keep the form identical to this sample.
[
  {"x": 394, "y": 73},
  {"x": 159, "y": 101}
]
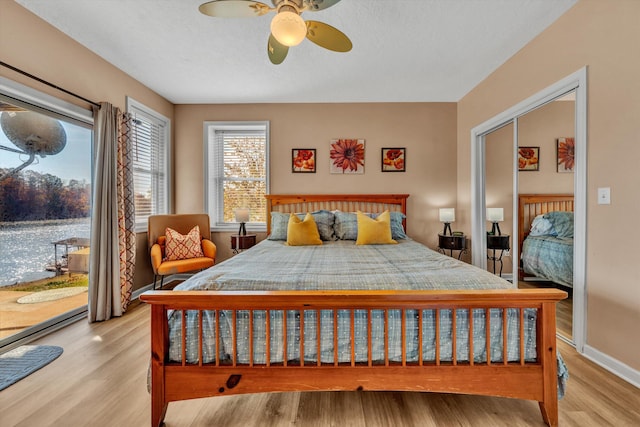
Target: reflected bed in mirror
[{"x": 545, "y": 236}]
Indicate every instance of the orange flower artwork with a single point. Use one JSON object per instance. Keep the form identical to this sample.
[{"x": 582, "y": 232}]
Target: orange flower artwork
[
  {"x": 347, "y": 156},
  {"x": 303, "y": 160},
  {"x": 566, "y": 150},
  {"x": 528, "y": 158},
  {"x": 393, "y": 160}
]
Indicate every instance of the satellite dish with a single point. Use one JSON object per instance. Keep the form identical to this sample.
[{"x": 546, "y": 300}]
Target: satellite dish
[{"x": 34, "y": 133}]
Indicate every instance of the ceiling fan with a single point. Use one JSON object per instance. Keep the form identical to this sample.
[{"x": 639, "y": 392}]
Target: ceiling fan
[{"x": 287, "y": 27}]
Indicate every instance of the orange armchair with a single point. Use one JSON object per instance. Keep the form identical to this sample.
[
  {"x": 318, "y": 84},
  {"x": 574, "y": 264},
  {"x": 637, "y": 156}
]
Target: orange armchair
[{"x": 182, "y": 223}]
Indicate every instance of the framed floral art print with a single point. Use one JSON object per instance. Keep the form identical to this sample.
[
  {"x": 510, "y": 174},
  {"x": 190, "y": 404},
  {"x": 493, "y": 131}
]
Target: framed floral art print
[
  {"x": 565, "y": 151},
  {"x": 394, "y": 159},
  {"x": 347, "y": 156},
  {"x": 528, "y": 158},
  {"x": 303, "y": 160}
]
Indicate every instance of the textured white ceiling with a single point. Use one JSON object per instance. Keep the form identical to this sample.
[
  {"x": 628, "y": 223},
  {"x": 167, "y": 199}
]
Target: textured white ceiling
[{"x": 403, "y": 50}]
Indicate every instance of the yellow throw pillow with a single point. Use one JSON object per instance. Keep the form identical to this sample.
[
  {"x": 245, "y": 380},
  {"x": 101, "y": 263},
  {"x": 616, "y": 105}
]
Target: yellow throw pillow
[
  {"x": 374, "y": 231},
  {"x": 302, "y": 232}
]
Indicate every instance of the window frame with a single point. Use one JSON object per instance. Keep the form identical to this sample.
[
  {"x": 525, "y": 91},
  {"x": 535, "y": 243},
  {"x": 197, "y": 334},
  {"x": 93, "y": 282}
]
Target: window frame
[
  {"x": 138, "y": 109},
  {"x": 210, "y": 201}
]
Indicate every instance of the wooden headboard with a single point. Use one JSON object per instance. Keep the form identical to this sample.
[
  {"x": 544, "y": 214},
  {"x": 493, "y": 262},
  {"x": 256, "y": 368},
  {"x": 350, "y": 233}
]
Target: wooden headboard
[
  {"x": 532, "y": 205},
  {"x": 291, "y": 203}
]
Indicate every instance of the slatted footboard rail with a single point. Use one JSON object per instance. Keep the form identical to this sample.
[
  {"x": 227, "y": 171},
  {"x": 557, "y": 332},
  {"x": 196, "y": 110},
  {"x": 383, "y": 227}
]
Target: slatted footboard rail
[{"x": 467, "y": 373}]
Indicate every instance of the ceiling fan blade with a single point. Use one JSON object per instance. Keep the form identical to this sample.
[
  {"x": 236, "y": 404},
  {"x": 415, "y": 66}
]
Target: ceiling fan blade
[
  {"x": 277, "y": 51},
  {"x": 234, "y": 8},
  {"x": 315, "y": 5},
  {"x": 328, "y": 37}
]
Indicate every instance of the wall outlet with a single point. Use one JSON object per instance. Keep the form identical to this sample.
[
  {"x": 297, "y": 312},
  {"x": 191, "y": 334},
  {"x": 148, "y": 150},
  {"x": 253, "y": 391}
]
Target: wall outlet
[{"x": 507, "y": 253}]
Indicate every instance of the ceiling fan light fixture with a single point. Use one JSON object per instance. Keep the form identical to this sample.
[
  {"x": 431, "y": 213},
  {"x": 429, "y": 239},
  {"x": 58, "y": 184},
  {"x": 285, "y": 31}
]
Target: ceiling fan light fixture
[{"x": 288, "y": 28}]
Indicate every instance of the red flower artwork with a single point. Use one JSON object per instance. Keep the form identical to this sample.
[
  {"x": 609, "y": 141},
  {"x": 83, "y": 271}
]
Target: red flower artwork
[
  {"x": 393, "y": 160},
  {"x": 304, "y": 160},
  {"x": 347, "y": 156},
  {"x": 566, "y": 150}
]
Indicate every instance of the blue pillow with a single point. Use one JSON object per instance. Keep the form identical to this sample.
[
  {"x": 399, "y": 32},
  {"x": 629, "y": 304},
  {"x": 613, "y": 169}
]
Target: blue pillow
[
  {"x": 279, "y": 224},
  {"x": 280, "y": 221},
  {"x": 346, "y": 225},
  {"x": 562, "y": 223},
  {"x": 324, "y": 221},
  {"x": 541, "y": 226}
]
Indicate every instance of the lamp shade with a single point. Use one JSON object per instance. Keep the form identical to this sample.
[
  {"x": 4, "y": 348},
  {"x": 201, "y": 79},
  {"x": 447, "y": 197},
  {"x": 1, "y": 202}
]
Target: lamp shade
[
  {"x": 288, "y": 28},
  {"x": 242, "y": 215},
  {"x": 495, "y": 214},
  {"x": 447, "y": 214}
]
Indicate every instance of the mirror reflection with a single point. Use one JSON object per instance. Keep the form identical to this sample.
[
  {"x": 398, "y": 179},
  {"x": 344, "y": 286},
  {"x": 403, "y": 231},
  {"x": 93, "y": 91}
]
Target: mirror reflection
[
  {"x": 541, "y": 228},
  {"x": 545, "y": 196}
]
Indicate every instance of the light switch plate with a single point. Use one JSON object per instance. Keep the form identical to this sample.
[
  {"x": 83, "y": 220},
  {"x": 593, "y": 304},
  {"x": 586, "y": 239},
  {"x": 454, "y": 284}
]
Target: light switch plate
[{"x": 604, "y": 196}]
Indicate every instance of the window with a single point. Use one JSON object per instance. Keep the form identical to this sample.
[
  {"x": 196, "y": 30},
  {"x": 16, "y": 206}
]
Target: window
[
  {"x": 150, "y": 140},
  {"x": 236, "y": 172}
]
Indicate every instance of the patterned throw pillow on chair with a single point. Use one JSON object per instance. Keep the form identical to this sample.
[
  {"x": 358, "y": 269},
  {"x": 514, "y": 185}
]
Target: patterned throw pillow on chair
[{"x": 182, "y": 247}]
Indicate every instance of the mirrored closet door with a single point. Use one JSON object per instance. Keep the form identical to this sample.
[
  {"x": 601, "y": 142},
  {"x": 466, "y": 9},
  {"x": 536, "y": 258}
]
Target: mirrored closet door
[
  {"x": 543, "y": 139},
  {"x": 545, "y": 202}
]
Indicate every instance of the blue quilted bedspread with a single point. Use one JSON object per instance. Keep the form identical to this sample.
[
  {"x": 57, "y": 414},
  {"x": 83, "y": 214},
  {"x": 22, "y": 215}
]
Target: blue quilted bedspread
[
  {"x": 549, "y": 257},
  {"x": 271, "y": 265}
]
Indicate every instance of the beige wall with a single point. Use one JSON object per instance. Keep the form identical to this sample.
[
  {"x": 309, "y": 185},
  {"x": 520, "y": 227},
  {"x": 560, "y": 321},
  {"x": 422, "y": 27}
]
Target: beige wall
[
  {"x": 427, "y": 130},
  {"x": 32, "y": 45},
  {"x": 603, "y": 36},
  {"x": 541, "y": 128}
]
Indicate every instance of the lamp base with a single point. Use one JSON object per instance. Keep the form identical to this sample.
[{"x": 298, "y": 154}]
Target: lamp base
[
  {"x": 447, "y": 226},
  {"x": 495, "y": 228},
  {"x": 242, "y": 231}
]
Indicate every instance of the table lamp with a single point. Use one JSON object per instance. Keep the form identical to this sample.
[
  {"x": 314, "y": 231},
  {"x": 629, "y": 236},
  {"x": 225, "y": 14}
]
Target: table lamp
[
  {"x": 447, "y": 216},
  {"x": 242, "y": 216},
  {"x": 495, "y": 215}
]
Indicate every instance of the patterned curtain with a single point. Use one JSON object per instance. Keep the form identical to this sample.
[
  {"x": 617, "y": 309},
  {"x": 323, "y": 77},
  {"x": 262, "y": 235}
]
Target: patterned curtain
[
  {"x": 126, "y": 210},
  {"x": 112, "y": 256}
]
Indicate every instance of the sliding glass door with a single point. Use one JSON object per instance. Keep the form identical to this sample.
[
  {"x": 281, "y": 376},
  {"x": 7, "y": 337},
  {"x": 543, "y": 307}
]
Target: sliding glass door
[{"x": 45, "y": 208}]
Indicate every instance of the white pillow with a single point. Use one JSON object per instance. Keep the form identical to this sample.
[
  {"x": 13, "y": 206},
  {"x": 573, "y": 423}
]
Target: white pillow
[{"x": 541, "y": 226}]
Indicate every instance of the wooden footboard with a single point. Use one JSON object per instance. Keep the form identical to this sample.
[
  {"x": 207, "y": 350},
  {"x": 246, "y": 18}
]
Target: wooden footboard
[{"x": 533, "y": 380}]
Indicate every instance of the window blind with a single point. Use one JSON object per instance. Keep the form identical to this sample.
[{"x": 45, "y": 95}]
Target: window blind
[
  {"x": 237, "y": 173},
  {"x": 149, "y": 167}
]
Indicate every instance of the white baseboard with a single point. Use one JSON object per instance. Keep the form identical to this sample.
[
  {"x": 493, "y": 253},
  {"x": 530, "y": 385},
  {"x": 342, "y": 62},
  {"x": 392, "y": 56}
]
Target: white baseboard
[
  {"x": 612, "y": 365},
  {"x": 136, "y": 294},
  {"x": 534, "y": 279}
]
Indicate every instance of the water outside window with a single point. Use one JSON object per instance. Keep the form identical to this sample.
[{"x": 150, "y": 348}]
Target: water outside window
[{"x": 45, "y": 199}]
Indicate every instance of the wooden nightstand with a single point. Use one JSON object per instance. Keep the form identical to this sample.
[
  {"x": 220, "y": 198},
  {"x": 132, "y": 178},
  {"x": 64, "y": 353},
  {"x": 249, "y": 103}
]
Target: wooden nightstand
[
  {"x": 497, "y": 243},
  {"x": 452, "y": 243},
  {"x": 240, "y": 243}
]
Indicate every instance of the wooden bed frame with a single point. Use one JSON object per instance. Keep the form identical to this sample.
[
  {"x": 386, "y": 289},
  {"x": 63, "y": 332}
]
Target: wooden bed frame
[
  {"x": 532, "y": 205},
  {"x": 173, "y": 381}
]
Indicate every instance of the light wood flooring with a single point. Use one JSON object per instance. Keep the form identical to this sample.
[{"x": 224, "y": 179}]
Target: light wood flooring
[
  {"x": 564, "y": 309},
  {"x": 100, "y": 380}
]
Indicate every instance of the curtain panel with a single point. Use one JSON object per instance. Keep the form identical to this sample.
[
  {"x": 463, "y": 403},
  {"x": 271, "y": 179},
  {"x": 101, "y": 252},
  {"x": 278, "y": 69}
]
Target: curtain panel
[{"x": 112, "y": 256}]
